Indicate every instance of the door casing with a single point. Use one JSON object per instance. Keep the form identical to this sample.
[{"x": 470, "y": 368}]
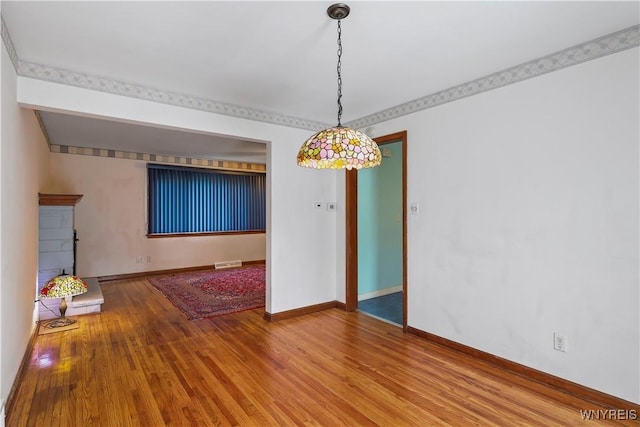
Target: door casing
[{"x": 351, "y": 208}]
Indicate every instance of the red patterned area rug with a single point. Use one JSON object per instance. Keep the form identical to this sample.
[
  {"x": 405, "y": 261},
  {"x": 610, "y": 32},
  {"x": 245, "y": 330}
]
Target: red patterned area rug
[{"x": 211, "y": 293}]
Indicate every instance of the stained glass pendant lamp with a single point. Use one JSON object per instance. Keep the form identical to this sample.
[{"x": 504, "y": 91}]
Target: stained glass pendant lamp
[{"x": 339, "y": 147}]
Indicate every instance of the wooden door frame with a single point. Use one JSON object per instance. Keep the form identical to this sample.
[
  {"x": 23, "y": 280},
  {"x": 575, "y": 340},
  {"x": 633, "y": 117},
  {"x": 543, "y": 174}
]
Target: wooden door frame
[{"x": 351, "y": 208}]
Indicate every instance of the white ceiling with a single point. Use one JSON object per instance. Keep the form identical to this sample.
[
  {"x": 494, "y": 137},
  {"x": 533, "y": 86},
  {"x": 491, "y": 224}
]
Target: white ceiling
[{"x": 280, "y": 57}]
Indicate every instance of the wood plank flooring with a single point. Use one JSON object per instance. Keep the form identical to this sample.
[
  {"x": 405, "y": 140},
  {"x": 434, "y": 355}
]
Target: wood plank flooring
[{"x": 142, "y": 363}]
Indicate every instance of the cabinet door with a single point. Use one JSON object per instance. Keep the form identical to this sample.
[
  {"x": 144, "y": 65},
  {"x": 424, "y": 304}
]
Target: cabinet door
[{"x": 56, "y": 242}]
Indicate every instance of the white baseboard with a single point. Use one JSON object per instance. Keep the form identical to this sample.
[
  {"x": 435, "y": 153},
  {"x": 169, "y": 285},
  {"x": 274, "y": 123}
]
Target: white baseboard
[{"x": 380, "y": 292}]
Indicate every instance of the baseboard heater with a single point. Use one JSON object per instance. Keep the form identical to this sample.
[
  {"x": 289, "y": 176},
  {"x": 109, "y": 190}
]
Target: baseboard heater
[{"x": 227, "y": 264}]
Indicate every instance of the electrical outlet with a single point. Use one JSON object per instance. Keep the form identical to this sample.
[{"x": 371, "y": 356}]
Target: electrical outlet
[
  {"x": 559, "y": 342},
  {"x": 139, "y": 260}
]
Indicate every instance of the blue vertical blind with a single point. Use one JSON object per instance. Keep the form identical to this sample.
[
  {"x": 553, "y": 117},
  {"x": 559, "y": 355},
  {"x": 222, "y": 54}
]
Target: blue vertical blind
[{"x": 195, "y": 200}]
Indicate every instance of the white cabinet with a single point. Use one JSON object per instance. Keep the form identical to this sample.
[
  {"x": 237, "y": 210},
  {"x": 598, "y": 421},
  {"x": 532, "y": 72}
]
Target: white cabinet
[
  {"x": 56, "y": 247},
  {"x": 56, "y": 242}
]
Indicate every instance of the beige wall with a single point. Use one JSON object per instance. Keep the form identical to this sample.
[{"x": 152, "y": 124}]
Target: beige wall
[
  {"x": 24, "y": 165},
  {"x": 111, "y": 218}
]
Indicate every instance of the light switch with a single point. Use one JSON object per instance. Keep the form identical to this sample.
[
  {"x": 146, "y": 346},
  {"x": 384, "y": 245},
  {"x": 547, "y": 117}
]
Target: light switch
[{"x": 415, "y": 208}]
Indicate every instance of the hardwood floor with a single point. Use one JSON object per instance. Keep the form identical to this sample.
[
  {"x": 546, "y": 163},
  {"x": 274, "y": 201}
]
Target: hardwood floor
[{"x": 141, "y": 363}]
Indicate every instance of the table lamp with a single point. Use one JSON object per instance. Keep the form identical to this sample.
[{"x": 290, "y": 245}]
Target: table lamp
[{"x": 61, "y": 287}]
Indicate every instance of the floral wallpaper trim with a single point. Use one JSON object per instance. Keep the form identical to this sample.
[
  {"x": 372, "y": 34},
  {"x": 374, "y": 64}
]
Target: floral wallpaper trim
[
  {"x": 624, "y": 39},
  {"x": 188, "y": 161},
  {"x": 86, "y": 81},
  {"x": 612, "y": 43},
  {"x": 6, "y": 38}
]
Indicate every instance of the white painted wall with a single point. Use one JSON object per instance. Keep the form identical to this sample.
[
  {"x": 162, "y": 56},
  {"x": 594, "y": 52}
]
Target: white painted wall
[
  {"x": 302, "y": 237},
  {"x": 7, "y": 74},
  {"x": 301, "y": 267},
  {"x": 111, "y": 222},
  {"x": 23, "y": 161},
  {"x": 528, "y": 222},
  {"x": 4, "y": 59}
]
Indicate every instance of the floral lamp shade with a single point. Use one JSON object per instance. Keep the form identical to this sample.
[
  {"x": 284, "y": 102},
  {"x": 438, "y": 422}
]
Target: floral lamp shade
[
  {"x": 339, "y": 148},
  {"x": 61, "y": 287}
]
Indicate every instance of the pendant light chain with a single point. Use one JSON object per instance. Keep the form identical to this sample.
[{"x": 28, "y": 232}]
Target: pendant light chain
[
  {"x": 339, "y": 68},
  {"x": 339, "y": 147}
]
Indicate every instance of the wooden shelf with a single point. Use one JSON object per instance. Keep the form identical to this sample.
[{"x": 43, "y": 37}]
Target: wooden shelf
[{"x": 59, "y": 199}]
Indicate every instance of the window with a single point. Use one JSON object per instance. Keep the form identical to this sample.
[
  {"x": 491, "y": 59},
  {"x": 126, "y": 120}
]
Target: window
[{"x": 194, "y": 200}]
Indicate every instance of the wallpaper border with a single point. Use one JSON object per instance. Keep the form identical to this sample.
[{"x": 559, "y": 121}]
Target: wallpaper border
[
  {"x": 179, "y": 160},
  {"x": 608, "y": 44},
  {"x": 102, "y": 84},
  {"x": 6, "y": 38}
]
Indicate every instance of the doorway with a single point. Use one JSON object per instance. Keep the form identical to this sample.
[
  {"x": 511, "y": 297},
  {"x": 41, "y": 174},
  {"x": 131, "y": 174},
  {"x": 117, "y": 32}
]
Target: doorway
[{"x": 376, "y": 240}]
